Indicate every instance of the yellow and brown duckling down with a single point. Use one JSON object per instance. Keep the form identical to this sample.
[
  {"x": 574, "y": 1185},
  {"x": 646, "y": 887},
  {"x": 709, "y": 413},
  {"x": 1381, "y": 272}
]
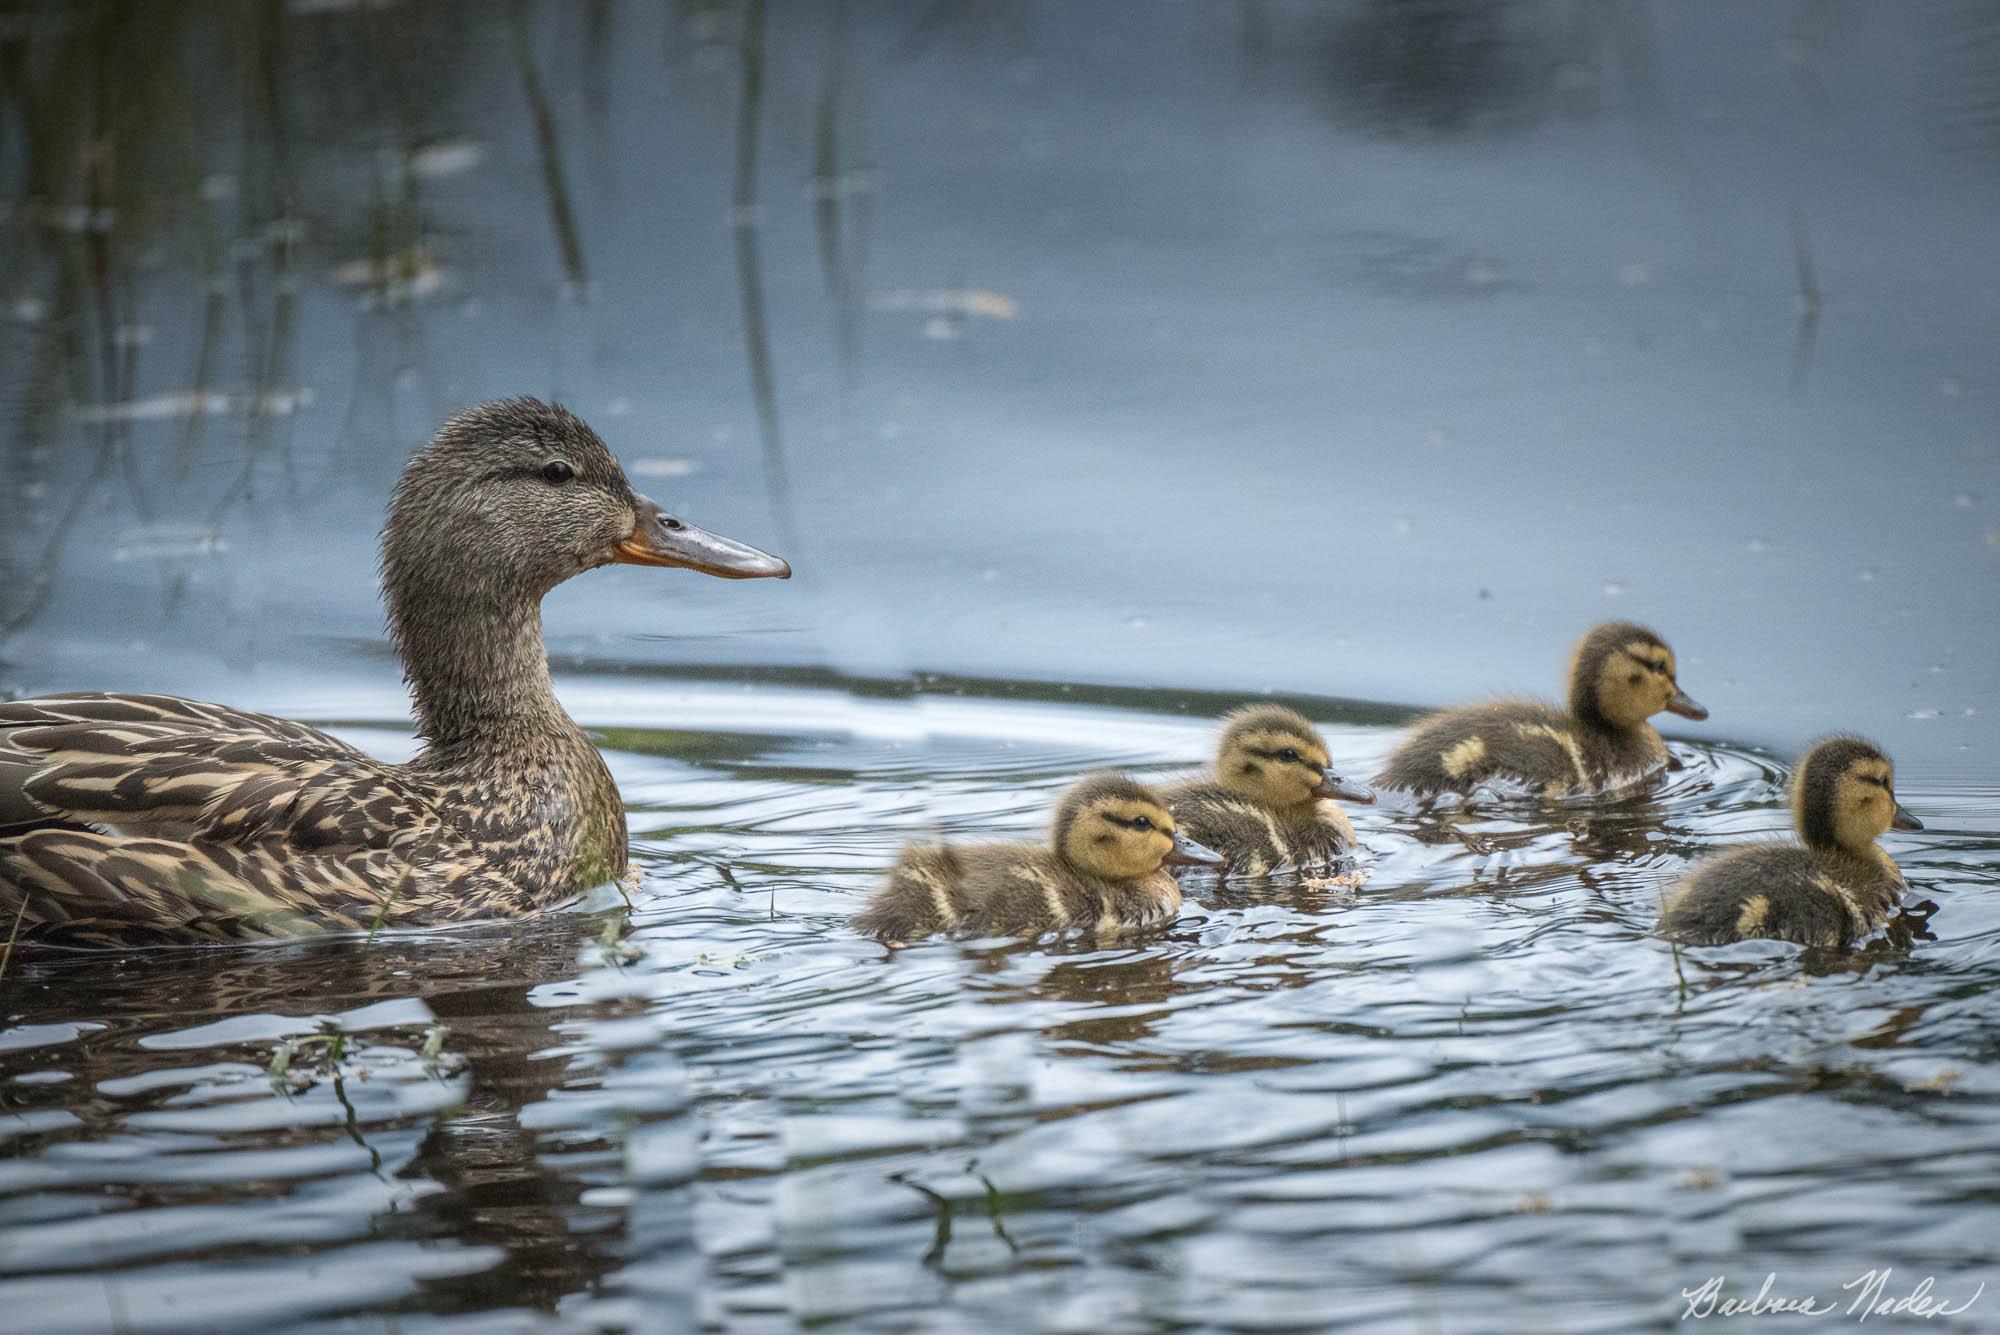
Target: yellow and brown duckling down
[
  {"x": 1271, "y": 801},
  {"x": 1620, "y": 675},
  {"x": 1104, "y": 870},
  {"x": 136, "y": 818},
  {"x": 1831, "y": 890}
]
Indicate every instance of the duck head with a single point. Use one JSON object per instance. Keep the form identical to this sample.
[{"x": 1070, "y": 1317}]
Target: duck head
[
  {"x": 519, "y": 495},
  {"x": 1622, "y": 674},
  {"x": 1111, "y": 827},
  {"x": 1844, "y": 796},
  {"x": 1276, "y": 757}
]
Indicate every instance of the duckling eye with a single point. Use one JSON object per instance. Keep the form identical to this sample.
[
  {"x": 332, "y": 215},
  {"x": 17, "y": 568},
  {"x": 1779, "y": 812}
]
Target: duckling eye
[
  {"x": 1289, "y": 754},
  {"x": 557, "y": 472},
  {"x": 1142, "y": 823},
  {"x": 1633, "y": 679}
]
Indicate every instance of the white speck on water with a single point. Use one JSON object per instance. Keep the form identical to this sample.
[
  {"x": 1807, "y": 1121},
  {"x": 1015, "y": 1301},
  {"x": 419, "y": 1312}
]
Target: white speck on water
[
  {"x": 1756, "y": 545},
  {"x": 1924, "y": 714},
  {"x": 1614, "y": 588},
  {"x": 132, "y": 335},
  {"x": 1137, "y": 622},
  {"x": 1935, "y": 669},
  {"x": 663, "y": 467},
  {"x": 218, "y": 186},
  {"x": 1438, "y": 435},
  {"x": 29, "y": 310},
  {"x": 447, "y": 157},
  {"x": 1403, "y": 527},
  {"x": 942, "y": 329},
  {"x": 1867, "y": 575},
  {"x": 618, "y": 407},
  {"x": 1965, "y": 500}
]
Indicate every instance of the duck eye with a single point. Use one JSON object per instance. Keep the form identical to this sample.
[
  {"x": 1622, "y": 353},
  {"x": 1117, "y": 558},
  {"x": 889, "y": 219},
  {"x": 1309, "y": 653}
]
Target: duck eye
[
  {"x": 1289, "y": 754},
  {"x": 1633, "y": 679},
  {"x": 1141, "y": 823},
  {"x": 558, "y": 472}
]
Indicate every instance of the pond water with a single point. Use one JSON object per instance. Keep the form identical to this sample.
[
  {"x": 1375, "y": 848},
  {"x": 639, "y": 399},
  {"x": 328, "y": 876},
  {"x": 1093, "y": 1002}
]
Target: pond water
[
  {"x": 1473, "y": 1093},
  {"x": 1095, "y": 375}
]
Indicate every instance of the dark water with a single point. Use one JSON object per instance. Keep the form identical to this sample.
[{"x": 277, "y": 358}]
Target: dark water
[{"x": 1356, "y": 352}]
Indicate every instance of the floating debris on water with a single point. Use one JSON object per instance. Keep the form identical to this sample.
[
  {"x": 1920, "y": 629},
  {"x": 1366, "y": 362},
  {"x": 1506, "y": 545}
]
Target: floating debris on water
[
  {"x": 447, "y": 157},
  {"x": 153, "y": 541},
  {"x": 947, "y": 301},
  {"x": 663, "y": 468},
  {"x": 194, "y": 403}
]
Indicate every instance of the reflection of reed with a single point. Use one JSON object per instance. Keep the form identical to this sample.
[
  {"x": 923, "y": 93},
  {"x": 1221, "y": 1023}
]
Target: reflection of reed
[
  {"x": 838, "y": 187},
  {"x": 749, "y": 276},
  {"x": 550, "y": 149},
  {"x": 1802, "y": 350}
]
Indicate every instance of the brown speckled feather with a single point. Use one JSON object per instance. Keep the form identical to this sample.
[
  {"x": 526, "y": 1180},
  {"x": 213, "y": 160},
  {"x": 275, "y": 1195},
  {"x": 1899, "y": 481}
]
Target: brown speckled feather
[{"x": 133, "y": 818}]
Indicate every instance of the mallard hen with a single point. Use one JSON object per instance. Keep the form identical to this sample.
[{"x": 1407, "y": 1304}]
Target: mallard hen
[{"x": 141, "y": 818}]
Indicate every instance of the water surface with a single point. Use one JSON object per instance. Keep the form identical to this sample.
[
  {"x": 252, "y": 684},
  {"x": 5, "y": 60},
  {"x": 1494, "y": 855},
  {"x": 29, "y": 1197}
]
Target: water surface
[{"x": 1471, "y": 1094}]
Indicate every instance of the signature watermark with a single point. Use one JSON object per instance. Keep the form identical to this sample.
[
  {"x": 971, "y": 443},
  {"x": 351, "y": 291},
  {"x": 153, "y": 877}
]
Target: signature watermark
[{"x": 1867, "y": 1294}]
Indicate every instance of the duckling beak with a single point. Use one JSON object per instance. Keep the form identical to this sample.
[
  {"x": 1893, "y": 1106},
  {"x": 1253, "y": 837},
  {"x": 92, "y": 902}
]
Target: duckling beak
[
  {"x": 1684, "y": 705},
  {"x": 1187, "y": 853},
  {"x": 1332, "y": 785},
  {"x": 1904, "y": 820},
  {"x": 659, "y": 539}
]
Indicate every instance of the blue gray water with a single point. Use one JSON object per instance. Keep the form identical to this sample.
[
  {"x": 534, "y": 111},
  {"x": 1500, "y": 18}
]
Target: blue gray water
[{"x": 1094, "y": 371}]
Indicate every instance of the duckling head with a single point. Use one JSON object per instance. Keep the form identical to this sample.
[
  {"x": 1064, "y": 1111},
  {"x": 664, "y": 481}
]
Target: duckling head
[
  {"x": 1622, "y": 674},
  {"x": 511, "y": 498},
  {"x": 1110, "y": 827},
  {"x": 1844, "y": 796},
  {"x": 1276, "y": 757}
]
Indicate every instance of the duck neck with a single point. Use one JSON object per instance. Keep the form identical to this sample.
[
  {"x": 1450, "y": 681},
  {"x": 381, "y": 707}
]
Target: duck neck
[{"x": 478, "y": 671}]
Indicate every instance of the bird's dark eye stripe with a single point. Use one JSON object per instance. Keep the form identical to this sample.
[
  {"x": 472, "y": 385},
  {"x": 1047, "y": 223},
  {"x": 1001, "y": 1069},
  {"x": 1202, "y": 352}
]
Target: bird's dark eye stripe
[
  {"x": 1134, "y": 823},
  {"x": 1281, "y": 756}
]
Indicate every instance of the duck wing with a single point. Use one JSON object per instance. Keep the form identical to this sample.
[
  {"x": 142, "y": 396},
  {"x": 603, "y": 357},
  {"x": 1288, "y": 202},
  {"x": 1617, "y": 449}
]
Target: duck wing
[{"x": 128, "y": 817}]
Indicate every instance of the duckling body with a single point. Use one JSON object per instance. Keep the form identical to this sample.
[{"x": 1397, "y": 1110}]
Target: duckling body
[
  {"x": 133, "y": 819},
  {"x": 1620, "y": 675},
  {"x": 1833, "y": 889},
  {"x": 1270, "y": 801},
  {"x": 1105, "y": 872}
]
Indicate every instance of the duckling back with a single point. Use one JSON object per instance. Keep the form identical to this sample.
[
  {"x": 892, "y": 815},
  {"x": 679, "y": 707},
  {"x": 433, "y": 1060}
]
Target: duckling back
[
  {"x": 1814, "y": 897},
  {"x": 1008, "y": 890},
  {"x": 1523, "y": 740},
  {"x": 1255, "y": 838}
]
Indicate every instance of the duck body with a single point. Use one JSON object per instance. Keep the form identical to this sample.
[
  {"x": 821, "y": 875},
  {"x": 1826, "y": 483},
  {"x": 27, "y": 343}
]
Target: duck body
[
  {"x": 1620, "y": 675},
  {"x": 1815, "y": 897},
  {"x": 1832, "y": 888},
  {"x": 138, "y": 819},
  {"x": 1258, "y": 839},
  {"x": 1010, "y": 890},
  {"x": 1530, "y": 742},
  {"x": 1103, "y": 872}
]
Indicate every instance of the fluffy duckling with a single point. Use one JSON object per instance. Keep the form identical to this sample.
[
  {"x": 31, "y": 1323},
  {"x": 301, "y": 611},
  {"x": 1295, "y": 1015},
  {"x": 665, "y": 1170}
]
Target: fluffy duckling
[
  {"x": 1104, "y": 870},
  {"x": 1620, "y": 675},
  {"x": 1833, "y": 891},
  {"x": 1269, "y": 803}
]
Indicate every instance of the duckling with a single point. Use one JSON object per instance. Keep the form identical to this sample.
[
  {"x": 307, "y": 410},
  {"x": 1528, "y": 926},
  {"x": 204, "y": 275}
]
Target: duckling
[
  {"x": 1833, "y": 891},
  {"x": 1270, "y": 801},
  {"x": 1104, "y": 871},
  {"x": 1620, "y": 675}
]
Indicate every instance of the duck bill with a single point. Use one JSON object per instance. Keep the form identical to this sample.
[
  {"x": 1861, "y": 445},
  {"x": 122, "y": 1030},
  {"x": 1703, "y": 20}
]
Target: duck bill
[
  {"x": 1904, "y": 820},
  {"x": 1332, "y": 785},
  {"x": 1684, "y": 705},
  {"x": 1187, "y": 853},
  {"x": 659, "y": 539}
]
